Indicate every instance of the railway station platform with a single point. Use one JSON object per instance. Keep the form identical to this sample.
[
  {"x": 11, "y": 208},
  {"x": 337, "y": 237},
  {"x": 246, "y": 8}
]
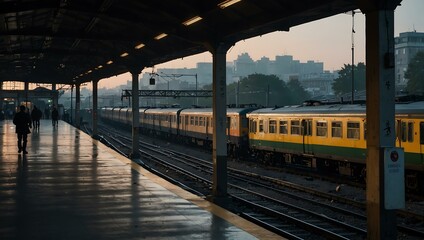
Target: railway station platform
[{"x": 70, "y": 186}]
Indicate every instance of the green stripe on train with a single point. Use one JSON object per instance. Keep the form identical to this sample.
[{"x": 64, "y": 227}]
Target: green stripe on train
[{"x": 341, "y": 152}]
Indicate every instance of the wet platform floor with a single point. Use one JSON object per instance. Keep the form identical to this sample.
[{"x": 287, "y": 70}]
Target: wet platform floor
[{"x": 69, "y": 186}]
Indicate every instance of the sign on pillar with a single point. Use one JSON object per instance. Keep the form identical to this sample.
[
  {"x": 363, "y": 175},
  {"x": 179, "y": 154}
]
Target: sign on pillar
[{"x": 394, "y": 178}]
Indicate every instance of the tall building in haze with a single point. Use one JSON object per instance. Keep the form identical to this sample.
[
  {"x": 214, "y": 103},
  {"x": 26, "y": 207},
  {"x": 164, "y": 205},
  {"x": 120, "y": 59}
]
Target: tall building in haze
[{"x": 407, "y": 45}]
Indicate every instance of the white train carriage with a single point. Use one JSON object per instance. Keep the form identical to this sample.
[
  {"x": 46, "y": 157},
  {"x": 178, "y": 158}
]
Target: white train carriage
[{"x": 161, "y": 121}]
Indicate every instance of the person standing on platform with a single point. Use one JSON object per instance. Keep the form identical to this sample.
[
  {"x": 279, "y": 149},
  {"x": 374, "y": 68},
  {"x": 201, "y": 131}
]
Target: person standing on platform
[
  {"x": 36, "y": 116},
  {"x": 22, "y": 120},
  {"x": 55, "y": 117}
]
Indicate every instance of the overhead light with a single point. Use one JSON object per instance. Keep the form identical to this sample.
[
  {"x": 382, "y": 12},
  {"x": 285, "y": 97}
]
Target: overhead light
[
  {"x": 160, "y": 36},
  {"x": 109, "y": 62},
  {"x": 139, "y": 46},
  {"x": 89, "y": 71},
  {"x": 124, "y": 54},
  {"x": 227, "y": 3},
  {"x": 100, "y": 66},
  {"x": 192, "y": 20}
]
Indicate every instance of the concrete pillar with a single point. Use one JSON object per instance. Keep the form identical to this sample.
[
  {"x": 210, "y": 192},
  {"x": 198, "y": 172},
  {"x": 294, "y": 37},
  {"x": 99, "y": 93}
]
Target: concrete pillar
[
  {"x": 77, "y": 105},
  {"x": 135, "y": 116},
  {"x": 380, "y": 87},
  {"x": 55, "y": 96},
  {"x": 219, "y": 154},
  {"x": 26, "y": 90},
  {"x": 95, "y": 133}
]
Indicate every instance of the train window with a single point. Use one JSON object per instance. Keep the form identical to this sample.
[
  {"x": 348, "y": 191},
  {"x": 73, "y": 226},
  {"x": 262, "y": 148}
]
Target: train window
[
  {"x": 261, "y": 125},
  {"x": 322, "y": 129},
  {"x": 201, "y": 121},
  {"x": 421, "y": 132},
  {"x": 252, "y": 126},
  {"x": 272, "y": 126},
  {"x": 295, "y": 127},
  {"x": 211, "y": 122},
  {"x": 234, "y": 124},
  {"x": 284, "y": 127},
  {"x": 410, "y": 132},
  {"x": 337, "y": 129},
  {"x": 403, "y": 131},
  {"x": 191, "y": 120},
  {"x": 196, "y": 121},
  {"x": 353, "y": 130}
]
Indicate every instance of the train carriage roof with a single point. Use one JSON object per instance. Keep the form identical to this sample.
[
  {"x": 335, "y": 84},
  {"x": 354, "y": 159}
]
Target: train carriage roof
[
  {"x": 162, "y": 110},
  {"x": 336, "y": 109},
  {"x": 208, "y": 111}
]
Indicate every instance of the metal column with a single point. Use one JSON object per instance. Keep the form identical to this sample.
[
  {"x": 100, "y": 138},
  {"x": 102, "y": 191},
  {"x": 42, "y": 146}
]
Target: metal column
[
  {"x": 95, "y": 133},
  {"x": 55, "y": 96},
  {"x": 135, "y": 117},
  {"x": 219, "y": 154},
  {"x": 77, "y": 105},
  {"x": 380, "y": 86}
]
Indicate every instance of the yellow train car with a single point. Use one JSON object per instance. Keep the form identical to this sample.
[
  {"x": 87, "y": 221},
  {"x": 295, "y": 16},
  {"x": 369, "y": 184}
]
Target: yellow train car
[{"x": 332, "y": 138}]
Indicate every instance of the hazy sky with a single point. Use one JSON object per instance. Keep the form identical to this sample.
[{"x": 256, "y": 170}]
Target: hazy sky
[{"x": 328, "y": 40}]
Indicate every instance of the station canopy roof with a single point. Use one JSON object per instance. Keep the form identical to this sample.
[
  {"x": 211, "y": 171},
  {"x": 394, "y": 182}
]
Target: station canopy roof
[{"x": 77, "y": 41}]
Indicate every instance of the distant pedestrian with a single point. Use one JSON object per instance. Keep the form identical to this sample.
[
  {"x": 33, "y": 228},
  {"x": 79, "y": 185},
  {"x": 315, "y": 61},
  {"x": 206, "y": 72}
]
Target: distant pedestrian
[
  {"x": 36, "y": 116},
  {"x": 22, "y": 120},
  {"x": 55, "y": 117}
]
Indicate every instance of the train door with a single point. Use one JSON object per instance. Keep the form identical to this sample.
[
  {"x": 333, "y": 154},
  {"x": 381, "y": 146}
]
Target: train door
[{"x": 307, "y": 136}]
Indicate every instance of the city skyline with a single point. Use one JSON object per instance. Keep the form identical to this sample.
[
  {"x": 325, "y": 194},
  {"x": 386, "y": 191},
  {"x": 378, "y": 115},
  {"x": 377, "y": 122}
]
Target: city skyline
[{"x": 327, "y": 40}]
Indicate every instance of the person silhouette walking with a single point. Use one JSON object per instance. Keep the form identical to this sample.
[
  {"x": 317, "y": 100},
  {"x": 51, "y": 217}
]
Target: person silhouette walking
[{"x": 22, "y": 120}]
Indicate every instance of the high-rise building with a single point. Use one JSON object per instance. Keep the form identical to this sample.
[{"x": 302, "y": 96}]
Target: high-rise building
[{"x": 407, "y": 45}]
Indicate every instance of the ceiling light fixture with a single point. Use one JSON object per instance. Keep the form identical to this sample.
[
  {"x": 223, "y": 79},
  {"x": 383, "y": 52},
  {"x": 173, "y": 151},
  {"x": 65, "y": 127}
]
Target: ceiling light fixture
[
  {"x": 124, "y": 54},
  {"x": 100, "y": 66},
  {"x": 109, "y": 62},
  {"x": 139, "y": 46},
  {"x": 192, "y": 20},
  {"x": 227, "y": 3},
  {"x": 160, "y": 36}
]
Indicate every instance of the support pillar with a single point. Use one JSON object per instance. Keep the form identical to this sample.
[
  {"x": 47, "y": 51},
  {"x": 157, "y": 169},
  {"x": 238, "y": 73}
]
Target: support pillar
[
  {"x": 77, "y": 105},
  {"x": 26, "y": 89},
  {"x": 135, "y": 115},
  {"x": 55, "y": 96},
  {"x": 380, "y": 87},
  {"x": 95, "y": 133},
  {"x": 219, "y": 154}
]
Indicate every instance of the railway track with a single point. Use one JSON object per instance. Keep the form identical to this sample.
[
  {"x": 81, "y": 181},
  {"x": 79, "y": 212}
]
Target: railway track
[{"x": 283, "y": 207}]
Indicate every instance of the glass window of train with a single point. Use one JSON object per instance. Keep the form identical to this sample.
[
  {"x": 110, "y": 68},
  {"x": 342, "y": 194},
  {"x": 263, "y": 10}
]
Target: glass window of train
[
  {"x": 295, "y": 127},
  {"x": 283, "y": 127},
  {"x": 322, "y": 129},
  {"x": 353, "y": 130},
  {"x": 337, "y": 129},
  {"x": 261, "y": 125},
  {"x": 252, "y": 126},
  {"x": 410, "y": 131},
  {"x": 201, "y": 121},
  {"x": 272, "y": 126},
  {"x": 403, "y": 132},
  {"x": 191, "y": 120},
  {"x": 421, "y": 132},
  {"x": 196, "y": 121}
]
